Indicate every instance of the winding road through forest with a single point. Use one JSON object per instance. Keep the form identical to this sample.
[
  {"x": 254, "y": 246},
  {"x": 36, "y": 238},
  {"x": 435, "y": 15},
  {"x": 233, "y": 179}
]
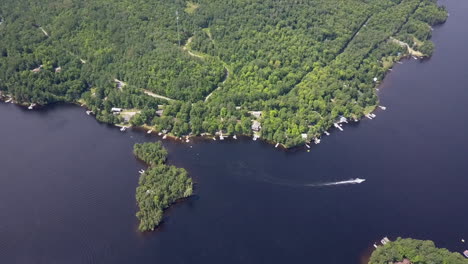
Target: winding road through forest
[
  {"x": 226, "y": 70},
  {"x": 186, "y": 47},
  {"x": 157, "y": 95}
]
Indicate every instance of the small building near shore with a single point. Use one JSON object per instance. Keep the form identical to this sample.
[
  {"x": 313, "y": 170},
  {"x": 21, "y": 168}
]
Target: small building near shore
[
  {"x": 159, "y": 112},
  {"x": 116, "y": 110},
  {"x": 120, "y": 84},
  {"x": 256, "y": 114},
  {"x": 38, "y": 69},
  {"x": 405, "y": 261},
  {"x": 342, "y": 119},
  {"x": 256, "y": 126}
]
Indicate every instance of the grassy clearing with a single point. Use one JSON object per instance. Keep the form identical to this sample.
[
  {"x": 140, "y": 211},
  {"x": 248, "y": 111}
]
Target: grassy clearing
[{"x": 191, "y": 7}]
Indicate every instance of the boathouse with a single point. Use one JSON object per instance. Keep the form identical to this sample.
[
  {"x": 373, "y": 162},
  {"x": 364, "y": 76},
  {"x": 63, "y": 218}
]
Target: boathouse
[{"x": 342, "y": 119}]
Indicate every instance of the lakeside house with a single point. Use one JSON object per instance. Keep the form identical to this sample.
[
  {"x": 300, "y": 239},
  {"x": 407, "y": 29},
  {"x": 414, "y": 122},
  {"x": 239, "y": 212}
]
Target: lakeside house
[
  {"x": 159, "y": 112},
  {"x": 256, "y": 126},
  {"x": 120, "y": 84},
  {"x": 256, "y": 114},
  {"x": 127, "y": 115},
  {"x": 304, "y": 136},
  {"x": 384, "y": 240},
  {"x": 342, "y": 119},
  {"x": 116, "y": 110},
  {"x": 38, "y": 69},
  {"x": 405, "y": 261}
]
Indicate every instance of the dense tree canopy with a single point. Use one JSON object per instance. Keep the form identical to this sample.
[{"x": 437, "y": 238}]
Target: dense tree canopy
[
  {"x": 303, "y": 63},
  {"x": 159, "y": 186},
  {"x": 416, "y": 251},
  {"x": 151, "y": 153}
]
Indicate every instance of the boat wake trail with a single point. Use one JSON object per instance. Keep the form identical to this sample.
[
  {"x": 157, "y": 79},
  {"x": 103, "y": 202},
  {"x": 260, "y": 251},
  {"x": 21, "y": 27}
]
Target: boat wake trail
[
  {"x": 242, "y": 169},
  {"x": 323, "y": 184},
  {"x": 351, "y": 181}
]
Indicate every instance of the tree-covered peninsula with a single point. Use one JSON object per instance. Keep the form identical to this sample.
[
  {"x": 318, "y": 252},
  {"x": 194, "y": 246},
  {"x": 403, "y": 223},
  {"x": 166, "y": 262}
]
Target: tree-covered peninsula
[
  {"x": 159, "y": 186},
  {"x": 212, "y": 66},
  {"x": 412, "y": 251}
]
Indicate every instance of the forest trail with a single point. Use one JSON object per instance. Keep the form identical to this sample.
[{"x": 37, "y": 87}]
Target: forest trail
[
  {"x": 226, "y": 76},
  {"x": 219, "y": 87},
  {"x": 47, "y": 35},
  {"x": 45, "y": 32},
  {"x": 208, "y": 96},
  {"x": 157, "y": 95},
  {"x": 121, "y": 84},
  {"x": 364, "y": 24},
  {"x": 188, "y": 50}
]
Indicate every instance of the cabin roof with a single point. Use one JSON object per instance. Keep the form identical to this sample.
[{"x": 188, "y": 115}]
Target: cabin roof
[
  {"x": 257, "y": 114},
  {"x": 256, "y": 125}
]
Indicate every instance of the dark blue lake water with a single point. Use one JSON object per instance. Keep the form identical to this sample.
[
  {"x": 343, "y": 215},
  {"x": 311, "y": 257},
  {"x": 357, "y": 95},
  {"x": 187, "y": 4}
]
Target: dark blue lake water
[{"x": 67, "y": 183}]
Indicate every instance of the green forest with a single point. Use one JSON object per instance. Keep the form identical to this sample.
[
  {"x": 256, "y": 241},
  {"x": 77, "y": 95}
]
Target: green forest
[
  {"x": 159, "y": 186},
  {"x": 203, "y": 66},
  {"x": 416, "y": 251}
]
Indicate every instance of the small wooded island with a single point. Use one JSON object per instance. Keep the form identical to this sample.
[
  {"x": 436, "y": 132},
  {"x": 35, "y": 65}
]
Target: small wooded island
[
  {"x": 159, "y": 186},
  {"x": 412, "y": 251}
]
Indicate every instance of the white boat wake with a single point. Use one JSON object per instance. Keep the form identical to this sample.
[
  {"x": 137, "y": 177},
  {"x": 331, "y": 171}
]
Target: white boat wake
[
  {"x": 241, "y": 169},
  {"x": 323, "y": 184},
  {"x": 351, "y": 181}
]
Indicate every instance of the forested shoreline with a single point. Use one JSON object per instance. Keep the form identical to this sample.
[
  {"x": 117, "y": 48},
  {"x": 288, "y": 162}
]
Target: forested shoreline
[
  {"x": 159, "y": 186},
  {"x": 301, "y": 64},
  {"x": 413, "y": 251}
]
